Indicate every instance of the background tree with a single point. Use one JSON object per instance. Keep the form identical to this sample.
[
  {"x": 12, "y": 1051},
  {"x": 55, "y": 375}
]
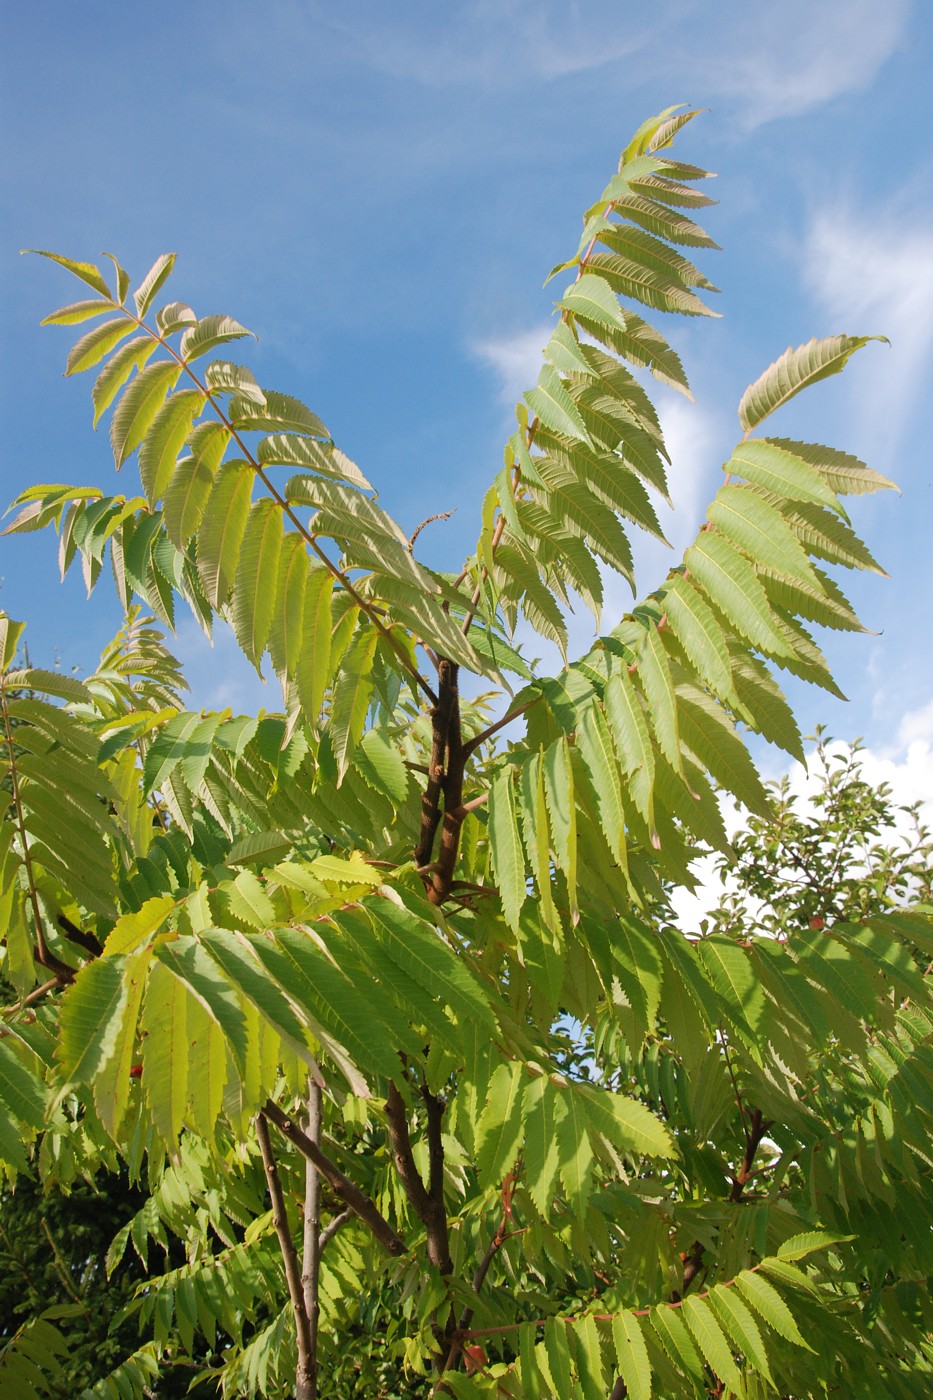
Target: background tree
[{"x": 320, "y": 979}]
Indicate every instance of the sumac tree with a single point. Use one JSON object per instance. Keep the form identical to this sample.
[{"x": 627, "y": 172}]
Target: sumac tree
[{"x": 376, "y": 998}]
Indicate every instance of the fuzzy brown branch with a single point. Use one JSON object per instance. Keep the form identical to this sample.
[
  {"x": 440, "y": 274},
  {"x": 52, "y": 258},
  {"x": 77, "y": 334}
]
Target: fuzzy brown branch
[
  {"x": 84, "y": 940},
  {"x": 342, "y": 1186},
  {"x": 441, "y": 716},
  {"x": 427, "y": 1203}
]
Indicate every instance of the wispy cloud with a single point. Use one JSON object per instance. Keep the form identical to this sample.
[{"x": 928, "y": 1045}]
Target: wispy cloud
[
  {"x": 783, "y": 61},
  {"x": 514, "y": 359},
  {"x": 775, "y": 61},
  {"x": 873, "y": 273},
  {"x": 693, "y": 438}
]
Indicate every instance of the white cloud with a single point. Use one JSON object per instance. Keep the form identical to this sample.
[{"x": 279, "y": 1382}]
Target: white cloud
[
  {"x": 693, "y": 438},
  {"x": 782, "y": 61},
  {"x": 775, "y": 61},
  {"x": 219, "y": 675},
  {"x": 874, "y": 274},
  {"x": 905, "y": 766},
  {"x": 514, "y": 359}
]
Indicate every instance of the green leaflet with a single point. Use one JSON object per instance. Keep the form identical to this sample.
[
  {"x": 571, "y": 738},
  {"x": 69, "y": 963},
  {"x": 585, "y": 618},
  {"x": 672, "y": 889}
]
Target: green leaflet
[
  {"x": 595, "y": 746},
  {"x": 759, "y": 530},
  {"x": 112, "y": 1080},
  {"x": 604, "y": 475},
  {"x": 654, "y": 672},
  {"x": 808, "y": 1242},
  {"x": 76, "y": 311},
  {"x": 165, "y": 439},
  {"x": 254, "y": 593},
  {"x": 559, "y": 795},
  {"x": 588, "y": 1356},
  {"x": 761, "y": 704},
  {"x": 419, "y": 951},
  {"x": 576, "y": 1156},
  {"x": 189, "y": 962},
  {"x": 303, "y": 453},
  {"x": 786, "y": 476},
  {"x": 186, "y": 499},
  {"x": 795, "y": 370},
  {"x": 219, "y": 540},
  {"x": 279, "y": 413},
  {"x": 87, "y": 272},
  {"x": 730, "y": 582},
  {"x": 174, "y": 316},
  {"x": 590, "y": 296},
  {"x": 501, "y": 1124},
  {"x": 694, "y": 625},
  {"x": 118, "y": 370},
  {"x": 640, "y": 246},
  {"x": 741, "y": 1326},
  {"x": 96, "y": 343},
  {"x": 23, "y": 1093},
  {"x": 287, "y": 624},
  {"x": 231, "y": 953},
  {"x": 352, "y": 693},
  {"x": 630, "y": 277},
  {"x": 315, "y": 647},
  {"x": 678, "y": 1344},
  {"x": 152, "y": 283},
  {"x": 711, "y": 1341},
  {"x": 537, "y": 604},
  {"x": 626, "y": 1123},
  {"x": 657, "y": 219},
  {"x": 168, "y": 749},
  {"x": 139, "y": 405},
  {"x": 826, "y": 536},
  {"x": 632, "y": 1356},
  {"x": 123, "y": 279},
  {"x": 338, "y": 1014},
  {"x": 638, "y": 966},
  {"x": 769, "y": 1304},
  {"x": 629, "y": 728},
  {"x": 505, "y": 847},
  {"x": 91, "y": 1015},
  {"x": 730, "y": 970},
  {"x": 580, "y": 512},
  {"x": 845, "y": 474},
  {"x": 224, "y": 377},
  {"x": 200, "y": 339},
  {"x": 707, "y": 729},
  {"x": 550, "y": 401},
  {"x": 380, "y": 764},
  {"x": 822, "y": 602},
  {"x": 544, "y": 1113}
]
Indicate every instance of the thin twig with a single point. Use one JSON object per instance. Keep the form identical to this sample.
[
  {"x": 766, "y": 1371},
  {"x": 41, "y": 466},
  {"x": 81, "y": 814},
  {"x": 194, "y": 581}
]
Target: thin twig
[
  {"x": 347, "y": 1190},
  {"x": 291, "y": 1261},
  {"x": 311, "y": 1241},
  {"x": 441, "y": 515}
]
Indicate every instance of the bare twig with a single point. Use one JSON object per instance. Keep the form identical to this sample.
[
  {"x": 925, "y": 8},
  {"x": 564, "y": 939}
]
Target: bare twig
[
  {"x": 303, "y": 1379},
  {"x": 441, "y": 515},
  {"x": 346, "y": 1189},
  {"x": 311, "y": 1241}
]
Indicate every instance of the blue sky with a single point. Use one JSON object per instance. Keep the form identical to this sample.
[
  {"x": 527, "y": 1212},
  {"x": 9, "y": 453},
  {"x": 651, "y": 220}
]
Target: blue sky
[{"x": 379, "y": 191}]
